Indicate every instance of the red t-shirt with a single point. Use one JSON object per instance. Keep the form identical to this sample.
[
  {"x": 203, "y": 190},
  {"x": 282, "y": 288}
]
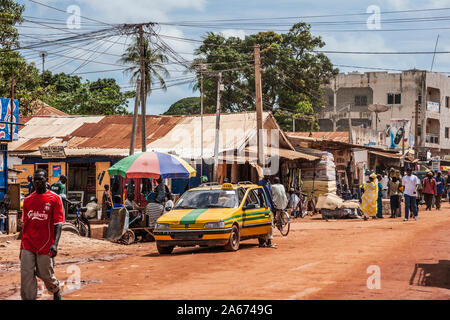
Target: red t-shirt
[{"x": 40, "y": 213}]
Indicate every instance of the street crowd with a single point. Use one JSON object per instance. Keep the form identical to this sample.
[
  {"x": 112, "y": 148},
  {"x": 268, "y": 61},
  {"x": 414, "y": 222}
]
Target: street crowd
[{"x": 408, "y": 189}]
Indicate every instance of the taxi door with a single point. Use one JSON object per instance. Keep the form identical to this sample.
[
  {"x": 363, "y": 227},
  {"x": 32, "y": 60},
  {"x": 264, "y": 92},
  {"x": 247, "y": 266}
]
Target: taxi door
[{"x": 255, "y": 219}]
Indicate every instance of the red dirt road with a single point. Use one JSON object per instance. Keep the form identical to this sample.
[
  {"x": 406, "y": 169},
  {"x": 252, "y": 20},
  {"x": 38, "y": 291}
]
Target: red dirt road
[{"x": 318, "y": 260}]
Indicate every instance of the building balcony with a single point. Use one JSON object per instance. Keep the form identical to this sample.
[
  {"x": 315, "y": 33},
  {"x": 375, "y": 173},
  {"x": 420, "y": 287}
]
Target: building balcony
[{"x": 432, "y": 138}]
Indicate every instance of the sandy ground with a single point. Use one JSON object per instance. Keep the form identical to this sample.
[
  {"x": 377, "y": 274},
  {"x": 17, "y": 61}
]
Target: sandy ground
[{"x": 317, "y": 260}]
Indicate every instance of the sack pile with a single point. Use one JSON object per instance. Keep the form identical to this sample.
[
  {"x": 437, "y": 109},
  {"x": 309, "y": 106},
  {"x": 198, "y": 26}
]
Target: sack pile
[{"x": 325, "y": 179}]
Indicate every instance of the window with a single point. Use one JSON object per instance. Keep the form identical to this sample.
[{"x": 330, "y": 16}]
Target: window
[
  {"x": 446, "y": 133},
  {"x": 331, "y": 100},
  {"x": 447, "y": 102},
  {"x": 394, "y": 98},
  {"x": 261, "y": 198},
  {"x": 252, "y": 199},
  {"x": 360, "y": 100}
]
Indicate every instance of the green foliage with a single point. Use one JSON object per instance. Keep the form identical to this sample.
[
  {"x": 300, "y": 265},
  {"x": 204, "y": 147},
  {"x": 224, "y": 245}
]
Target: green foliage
[
  {"x": 75, "y": 97},
  {"x": 292, "y": 72},
  {"x": 188, "y": 106},
  {"x": 154, "y": 64}
]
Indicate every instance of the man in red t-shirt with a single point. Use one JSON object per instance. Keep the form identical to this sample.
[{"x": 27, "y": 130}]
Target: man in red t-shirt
[{"x": 42, "y": 216}]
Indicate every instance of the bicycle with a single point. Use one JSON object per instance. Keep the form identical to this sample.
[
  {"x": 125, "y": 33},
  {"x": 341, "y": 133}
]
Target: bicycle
[
  {"x": 282, "y": 221},
  {"x": 81, "y": 225}
]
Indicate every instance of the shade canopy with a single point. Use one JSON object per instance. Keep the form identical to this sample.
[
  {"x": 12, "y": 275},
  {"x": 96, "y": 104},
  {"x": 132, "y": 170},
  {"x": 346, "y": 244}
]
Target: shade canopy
[{"x": 153, "y": 165}]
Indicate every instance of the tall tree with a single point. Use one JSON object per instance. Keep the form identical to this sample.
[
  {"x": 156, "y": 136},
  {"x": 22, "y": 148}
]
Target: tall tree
[
  {"x": 292, "y": 72},
  {"x": 155, "y": 62},
  {"x": 186, "y": 106}
]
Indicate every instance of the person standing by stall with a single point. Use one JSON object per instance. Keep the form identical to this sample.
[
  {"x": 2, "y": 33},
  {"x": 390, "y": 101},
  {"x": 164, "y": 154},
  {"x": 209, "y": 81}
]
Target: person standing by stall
[
  {"x": 106, "y": 203},
  {"x": 380, "y": 197}
]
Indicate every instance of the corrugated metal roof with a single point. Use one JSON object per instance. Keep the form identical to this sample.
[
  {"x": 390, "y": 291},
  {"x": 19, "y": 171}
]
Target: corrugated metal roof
[
  {"x": 179, "y": 134},
  {"x": 339, "y": 136},
  {"x": 33, "y": 144}
]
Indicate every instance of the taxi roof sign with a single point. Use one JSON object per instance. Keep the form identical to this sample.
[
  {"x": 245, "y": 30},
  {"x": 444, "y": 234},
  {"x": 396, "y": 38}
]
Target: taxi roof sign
[{"x": 227, "y": 186}]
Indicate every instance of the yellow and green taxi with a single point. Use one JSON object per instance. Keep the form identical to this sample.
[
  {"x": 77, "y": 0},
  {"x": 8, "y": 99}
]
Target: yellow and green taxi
[{"x": 215, "y": 215}]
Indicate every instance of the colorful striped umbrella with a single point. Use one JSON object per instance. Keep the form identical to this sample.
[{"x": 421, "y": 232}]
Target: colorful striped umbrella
[{"x": 153, "y": 165}]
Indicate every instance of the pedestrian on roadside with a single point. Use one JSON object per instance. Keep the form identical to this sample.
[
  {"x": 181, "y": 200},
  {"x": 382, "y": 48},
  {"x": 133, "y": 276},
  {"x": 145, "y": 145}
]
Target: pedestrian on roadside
[
  {"x": 410, "y": 183},
  {"x": 429, "y": 189},
  {"x": 42, "y": 217},
  {"x": 267, "y": 187},
  {"x": 440, "y": 188},
  {"x": 380, "y": 198},
  {"x": 394, "y": 196}
]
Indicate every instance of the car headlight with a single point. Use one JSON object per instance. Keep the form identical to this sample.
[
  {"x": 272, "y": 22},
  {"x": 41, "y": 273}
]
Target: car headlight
[
  {"x": 162, "y": 226},
  {"x": 213, "y": 225}
]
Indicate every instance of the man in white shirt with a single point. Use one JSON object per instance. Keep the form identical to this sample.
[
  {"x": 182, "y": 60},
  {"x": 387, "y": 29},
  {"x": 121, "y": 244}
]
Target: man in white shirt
[
  {"x": 279, "y": 195},
  {"x": 410, "y": 182}
]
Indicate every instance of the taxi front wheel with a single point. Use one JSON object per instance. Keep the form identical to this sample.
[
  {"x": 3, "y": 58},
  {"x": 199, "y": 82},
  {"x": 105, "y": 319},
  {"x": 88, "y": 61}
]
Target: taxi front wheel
[
  {"x": 164, "y": 250},
  {"x": 233, "y": 243}
]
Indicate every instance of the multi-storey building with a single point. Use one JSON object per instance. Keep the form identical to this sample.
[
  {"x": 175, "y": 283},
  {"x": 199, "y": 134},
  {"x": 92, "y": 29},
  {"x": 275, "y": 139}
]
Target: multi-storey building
[{"x": 348, "y": 97}]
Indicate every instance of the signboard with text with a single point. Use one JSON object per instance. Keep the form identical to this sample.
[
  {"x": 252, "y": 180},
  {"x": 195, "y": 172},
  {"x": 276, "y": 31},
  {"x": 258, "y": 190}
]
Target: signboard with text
[
  {"x": 52, "y": 152},
  {"x": 11, "y": 117}
]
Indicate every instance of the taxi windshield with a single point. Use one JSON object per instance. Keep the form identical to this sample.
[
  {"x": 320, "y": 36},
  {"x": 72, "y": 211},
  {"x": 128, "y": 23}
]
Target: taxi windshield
[{"x": 202, "y": 199}]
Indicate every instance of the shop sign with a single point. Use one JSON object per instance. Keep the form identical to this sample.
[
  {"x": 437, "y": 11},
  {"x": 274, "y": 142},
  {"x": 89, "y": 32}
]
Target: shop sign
[{"x": 52, "y": 152}]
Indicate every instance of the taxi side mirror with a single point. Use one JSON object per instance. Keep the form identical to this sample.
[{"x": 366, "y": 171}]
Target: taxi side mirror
[{"x": 250, "y": 206}]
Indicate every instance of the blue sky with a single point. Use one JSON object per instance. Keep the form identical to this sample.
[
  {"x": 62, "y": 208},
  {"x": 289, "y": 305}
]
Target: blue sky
[{"x": 119, "y": 11}]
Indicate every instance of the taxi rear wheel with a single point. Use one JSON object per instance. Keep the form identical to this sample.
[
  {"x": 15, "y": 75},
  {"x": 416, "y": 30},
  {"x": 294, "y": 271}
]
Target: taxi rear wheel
[
  {"x": 164, "y": 249},
  {"x": 233, "y": 243}
]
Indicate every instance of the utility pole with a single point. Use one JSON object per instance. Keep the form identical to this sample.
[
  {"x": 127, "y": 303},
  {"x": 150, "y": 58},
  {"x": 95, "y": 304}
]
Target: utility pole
[
  {"x": 43, "y": 55},
  {"x": 349, "y": 125},
  {"x": 293, "y": 123},
  {"x": 216, "y": 142},
  {"x": 202, "y": 69},
  {"x": 135, "y": 116},
  {"x": 259, "y": 109},
  {"x": 143, "y": 92},
  {"x": 416, "y": 127}
]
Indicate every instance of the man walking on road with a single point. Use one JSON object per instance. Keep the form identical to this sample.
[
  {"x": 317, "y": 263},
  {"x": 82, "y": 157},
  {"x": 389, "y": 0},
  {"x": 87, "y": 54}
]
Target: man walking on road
[
  {"x": 410, "y": 182},
  {"x": 42, "y": 216},
  {"x": 267, "y": 187}
]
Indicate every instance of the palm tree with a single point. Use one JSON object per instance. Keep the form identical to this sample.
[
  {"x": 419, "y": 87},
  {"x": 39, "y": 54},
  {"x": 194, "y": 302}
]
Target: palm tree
[{"x": 154, "y": 64}]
